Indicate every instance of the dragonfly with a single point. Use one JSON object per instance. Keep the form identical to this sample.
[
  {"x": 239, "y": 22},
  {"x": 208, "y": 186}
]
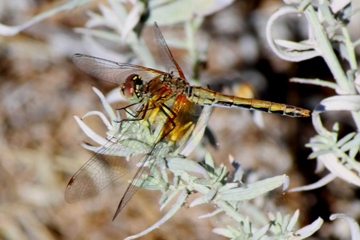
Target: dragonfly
[{"x": 163, "y": 101}]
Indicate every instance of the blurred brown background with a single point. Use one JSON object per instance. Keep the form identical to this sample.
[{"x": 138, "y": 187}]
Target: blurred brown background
[{"x": 41, "y": 90}]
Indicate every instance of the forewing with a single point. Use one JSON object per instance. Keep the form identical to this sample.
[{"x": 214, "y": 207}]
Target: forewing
[
  {"x": 112, "y": 71},
  {"x": 170, "y": 64}
]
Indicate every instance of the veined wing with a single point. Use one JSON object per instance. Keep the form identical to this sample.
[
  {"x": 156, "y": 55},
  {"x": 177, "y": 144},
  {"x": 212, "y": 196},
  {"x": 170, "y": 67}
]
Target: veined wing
[
  {"x": 137, "y": 182},
  {"x": 109, "y": 164},
  {"x": 112, "y": 71},
  {"x": 169, "y": 62}
]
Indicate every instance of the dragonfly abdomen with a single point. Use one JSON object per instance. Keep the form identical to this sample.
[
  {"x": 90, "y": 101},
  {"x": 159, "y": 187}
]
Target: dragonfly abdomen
[{"x": 204, "y": 96}]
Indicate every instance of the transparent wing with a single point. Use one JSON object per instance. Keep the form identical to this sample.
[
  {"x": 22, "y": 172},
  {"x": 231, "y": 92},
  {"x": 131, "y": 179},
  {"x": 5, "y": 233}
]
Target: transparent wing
[
  {"x": 98, "y": 172},
  {"x": 112, "y": 71},
  {"x": 158, "y": 151},
  {"x": 108, "y": 164},
  {"x": 169, "y": 62},
  {"x": 132, "y": 188}
]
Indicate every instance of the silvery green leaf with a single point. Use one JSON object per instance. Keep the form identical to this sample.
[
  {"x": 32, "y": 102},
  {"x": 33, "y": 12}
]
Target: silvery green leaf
[
  {"x": 354, "y": 151},
  {"x": 308, "y": 230},
  {"x": 152, "y": 186},
  {"x": 120, "y": 10},
  {"x": 271, "y": 216},
  {"x": 343, "y": 49},
  {"x": 186, "y": 165},
  {"x": 261, "y": 232},
  {"x": 200, "y": 188},
  {"x": 246, "y": 226},
  {"x": 285, "y": 223},
  {"x": 357, "y": 78},
  {"x": 315, "y": 81},
  {"x": 316, "y": 154},
  {"x": 132, "y": 19},
  {"x": 294, "y": 46},
  {"x": 206, "y": 198},
  {"x": 340, "y": 103},
  {"x": 293, "y": 56},
  {"x": 325, "y": 12},
  {"x": 354, "y": 226},
  {"x": 209, "y": 160},
  {"x": 279, "y": 218},
  {"x": 164, "y": 174},
  {"x": 168, "y": 198},
  {"x": 275, "y": 226},
  {"x": 332, "y": 163},
  {"x": 94, "y": 20},
  {"x": 229, "y": 186},
  {"x": 220, "y": 172},
  {"x": 102, "y": 117},
  {"x": 352, "y": 144},
  {"x": 91, "y": 147},
  {"x": 328, "y": 140},
  {"x": 217, "y": 185},
  {"x": 210, "y": 195},
  {"x": 254, "y": 213},
  {"x": 204, "y": 182},
  {"x": 174, "y": 12},
  {"x": 335, "y": 130},
  {"x": 318, "y": 145},
  {"x": 322, "y": 182},
  {"x": 217, "y": 211},
  {"x": 199, "y": 201},
  {"x": 165, "y": 195},
  {"x": 230, "y": 210},
  {"x": 229, "y": 233},
  {"x": 345, "y": 139},
  {"x": 253, "y": 190},
  {"x": 340, "y": 5},
  {"x": 100, "y": 34},
  {"x": 110, "y": 17},
  {"x": 90, "y": 133},
  {"x": 291, "y": 225}
]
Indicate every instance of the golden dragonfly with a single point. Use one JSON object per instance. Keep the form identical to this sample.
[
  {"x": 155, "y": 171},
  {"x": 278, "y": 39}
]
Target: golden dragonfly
[{"x": 165, "y": 102}]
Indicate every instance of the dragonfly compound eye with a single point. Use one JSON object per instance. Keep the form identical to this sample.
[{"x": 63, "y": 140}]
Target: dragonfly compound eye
[{"x": 131, "y": 88}]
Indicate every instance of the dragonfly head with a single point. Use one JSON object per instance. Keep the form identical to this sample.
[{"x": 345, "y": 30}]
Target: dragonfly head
[{"x": 131, "y": 89}]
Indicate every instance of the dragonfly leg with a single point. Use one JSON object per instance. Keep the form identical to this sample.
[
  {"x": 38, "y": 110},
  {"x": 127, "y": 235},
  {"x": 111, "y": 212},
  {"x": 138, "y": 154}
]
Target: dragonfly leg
[
  {"x": 130, "y": 112},
  {"x": 170, "y": 123}
]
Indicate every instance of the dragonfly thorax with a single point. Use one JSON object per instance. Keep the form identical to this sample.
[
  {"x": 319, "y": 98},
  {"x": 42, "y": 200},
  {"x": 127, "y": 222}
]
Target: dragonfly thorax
[
  {"x": 131, "y": 89},
  {"x": 175, "y": 83}
]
